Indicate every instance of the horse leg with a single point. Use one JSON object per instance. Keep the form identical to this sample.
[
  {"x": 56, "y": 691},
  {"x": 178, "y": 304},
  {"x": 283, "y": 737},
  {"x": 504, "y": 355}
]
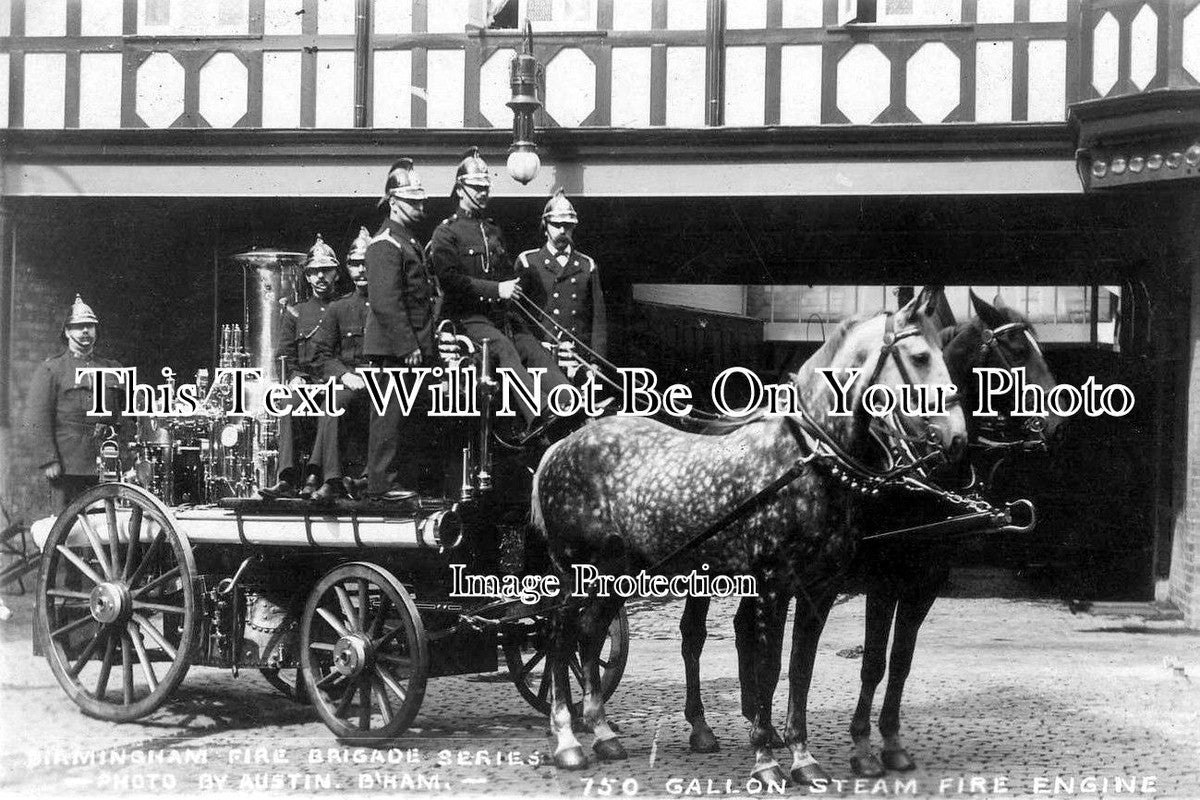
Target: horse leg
[
  {"x": 881, "y": 607},
  {"x": 765, "y": 658},
  {"x": 811, "y": 614},
  {"x": 693, "y": 632},
  {"x": 910, "y": 613},
  {"x": 746, "y": 638},
  {"x": 593, "y": 633},
  {"x": 568, "y": 754}
]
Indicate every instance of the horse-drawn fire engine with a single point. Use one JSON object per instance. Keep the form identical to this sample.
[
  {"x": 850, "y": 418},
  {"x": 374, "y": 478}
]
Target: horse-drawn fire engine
[{"x": 179, "y": 566}]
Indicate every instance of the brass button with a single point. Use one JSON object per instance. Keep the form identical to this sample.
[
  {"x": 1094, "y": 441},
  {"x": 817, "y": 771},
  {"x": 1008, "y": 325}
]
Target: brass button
[
  {"x": 471, "y": 251},
  {"x": 574, "y": 297},
  {"x": 556, "y": 294},
  {"x": 572, "y": 280},
  {"x": 556, "y": 312}
]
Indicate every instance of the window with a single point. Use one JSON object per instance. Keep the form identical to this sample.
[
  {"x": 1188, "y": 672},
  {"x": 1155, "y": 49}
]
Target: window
[
  {"x": 193, "y": 17},
  {"x": 900, "y": 12},
  {"x": 157, "y": 12},
  {"x": 545, "y": 15}
]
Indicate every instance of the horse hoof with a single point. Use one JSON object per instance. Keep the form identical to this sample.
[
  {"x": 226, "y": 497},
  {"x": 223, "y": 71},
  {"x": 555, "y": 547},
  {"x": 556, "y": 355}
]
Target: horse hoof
[
  {"x": 770, "y": 776},
  {"x": 571, "y": 758},
  {"x": 810, "y": 775},
  {"x": 610, "y": 750},
  {"x": 867, "y": 766},
  {"x": 898, "y": 760},
  {"x": 703, "y": 742}
]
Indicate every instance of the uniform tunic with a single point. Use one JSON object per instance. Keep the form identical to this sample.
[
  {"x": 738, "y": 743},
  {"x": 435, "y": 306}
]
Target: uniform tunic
[
  {"x": 470, "y": 260},
  {"x": 298, "y": 349},
  {"x": 297, "y": 345},
  {"x": 56, "y": 413},
  {"x": 403, "y": 295},
  {"x": 573, "y": 294},
  {"x": 339, "y": 349},
  {"x": 403, "y": 311}
]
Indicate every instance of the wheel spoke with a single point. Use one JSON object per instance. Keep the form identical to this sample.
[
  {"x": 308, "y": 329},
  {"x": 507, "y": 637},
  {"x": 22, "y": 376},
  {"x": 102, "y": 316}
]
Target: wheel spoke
[
  {"x": 329, "y": 679},
  {"x": 114, "y": 544},
  {"x": 126, "y": 669},
  {"x": 364, "y": 705},
  {"x": 544, "y": 686},
  {"x": 380, "y": 615},
  {"x": 161, "y": 579},
  {"x": 321, "y": 646},
  {"x": 344, "y": 702},
  {"x": 154, "y": 634},
  {"x": 380, "y": 692},
  {"x": 383, "y": 640},
  {"x": 533, "y": 662},
  {"x": 110, "y": 651},
  {"x": 80, "y": 565},
  {"x": 148, "y": 557},
  {"x": 362, "y": 604},
  {"x": 138, "y": 605},
  {"x": 348, "y": 612},
  {"x": 70, "y": 626},
  {"x": 389, "y": 680},
  {"x": 87, "y": 653},
  {"x": 68, "y": 593},
  {"x": 402, "y": 662},
  {"x": 140, "y": 649},
  {"x": 333, "y": 621},
  {"x": 97, "y": 547},
  {"x": 135, "y": 532}
]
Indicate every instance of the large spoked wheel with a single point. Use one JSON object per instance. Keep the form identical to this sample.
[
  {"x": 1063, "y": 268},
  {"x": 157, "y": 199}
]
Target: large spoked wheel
[
  {"x": 363, "y": 653},
  {"x": 525, "y": 649},
  {"x": 116, "y": 614}
]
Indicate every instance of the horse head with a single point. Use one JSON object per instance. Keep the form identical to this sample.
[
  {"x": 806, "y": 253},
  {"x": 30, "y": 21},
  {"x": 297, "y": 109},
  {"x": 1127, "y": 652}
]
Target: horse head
[
  {"x": 897, "y": 357},
  {"x": 1000, "y": 337}
]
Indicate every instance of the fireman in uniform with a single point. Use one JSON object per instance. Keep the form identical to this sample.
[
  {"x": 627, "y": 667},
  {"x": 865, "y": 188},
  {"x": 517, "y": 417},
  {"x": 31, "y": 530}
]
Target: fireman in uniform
[
  {"x": 468, "y": 256},
  {"x": 570, "y": 278},
  {"x": 65, "y": 439},
  {"x": 339, "y": 352},
  {"x": 298, "y": 350},
  {"x": 399, "y": 329}
]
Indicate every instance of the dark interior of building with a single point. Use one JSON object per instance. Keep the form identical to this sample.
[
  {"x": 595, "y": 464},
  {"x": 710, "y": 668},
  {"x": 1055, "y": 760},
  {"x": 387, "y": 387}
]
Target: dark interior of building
[{"x": 158, "y": 274}]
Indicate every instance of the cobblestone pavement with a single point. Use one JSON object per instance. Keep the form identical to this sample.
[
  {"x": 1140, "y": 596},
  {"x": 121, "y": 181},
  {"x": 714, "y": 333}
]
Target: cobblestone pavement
[{"x": 1021, "y": 692}]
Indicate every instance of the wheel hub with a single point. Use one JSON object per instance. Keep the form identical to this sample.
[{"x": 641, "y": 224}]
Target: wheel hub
[
  {"x": 350, "y": 655},
  {"x": 109, "y": 603}
]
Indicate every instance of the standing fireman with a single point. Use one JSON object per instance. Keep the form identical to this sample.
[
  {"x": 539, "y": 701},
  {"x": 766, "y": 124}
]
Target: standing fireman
[
  {"x": 298, "y": 351},
  {"x": 569, "y": 277},
  {"x": 399, "y": 329},
  {"x": 468, "y": 255},
  {"x": 339, "y": 352},
  {"x": 65, "y": 439}
]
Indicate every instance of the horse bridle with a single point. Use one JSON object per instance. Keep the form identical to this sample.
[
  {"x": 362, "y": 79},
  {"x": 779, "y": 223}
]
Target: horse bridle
[
  {"x": 902, "y": 445},
  {"x": 1032, "y": 433}
]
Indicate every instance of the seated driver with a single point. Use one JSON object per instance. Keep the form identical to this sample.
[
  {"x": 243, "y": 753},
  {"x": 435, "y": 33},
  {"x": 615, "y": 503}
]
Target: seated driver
[{"x": 476, "y": 274}]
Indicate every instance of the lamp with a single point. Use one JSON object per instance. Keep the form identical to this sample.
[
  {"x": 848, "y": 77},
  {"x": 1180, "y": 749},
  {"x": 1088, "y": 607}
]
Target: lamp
[{"x": 523, "y": 161}]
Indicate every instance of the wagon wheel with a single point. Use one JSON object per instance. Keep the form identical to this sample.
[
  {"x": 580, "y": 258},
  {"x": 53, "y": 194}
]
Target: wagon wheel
[
  {"x": 116, "y": 604},
  {"x": 525, "y": 654},
  {"x": 363, "y": 653},
  {"x": 294, "y": 690}
]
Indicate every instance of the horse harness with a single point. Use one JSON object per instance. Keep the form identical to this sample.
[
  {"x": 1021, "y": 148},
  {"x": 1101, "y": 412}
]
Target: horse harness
[{"x": 1030, "y": 432}]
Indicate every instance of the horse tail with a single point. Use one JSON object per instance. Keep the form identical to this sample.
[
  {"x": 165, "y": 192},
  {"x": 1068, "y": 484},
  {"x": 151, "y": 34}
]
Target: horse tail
[{"x": 536, "y": 516}]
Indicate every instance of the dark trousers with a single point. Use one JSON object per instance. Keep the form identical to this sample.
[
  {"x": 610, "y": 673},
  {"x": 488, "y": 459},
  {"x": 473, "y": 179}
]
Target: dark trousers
[
  {"x": 66, "y": 488},
  {"x": 294, "y": 431},
  {"x": 519, "y": 353},
  {"x": 390, "y": 431},
  {"x": 340, "y": 439}
]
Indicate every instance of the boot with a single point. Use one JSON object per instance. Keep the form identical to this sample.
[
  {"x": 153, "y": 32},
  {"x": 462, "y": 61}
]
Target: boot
[
  {"x": 329, "y": 491},
  {"x": 311, "y": 485},
  {"x": 284, "y": 487}
]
